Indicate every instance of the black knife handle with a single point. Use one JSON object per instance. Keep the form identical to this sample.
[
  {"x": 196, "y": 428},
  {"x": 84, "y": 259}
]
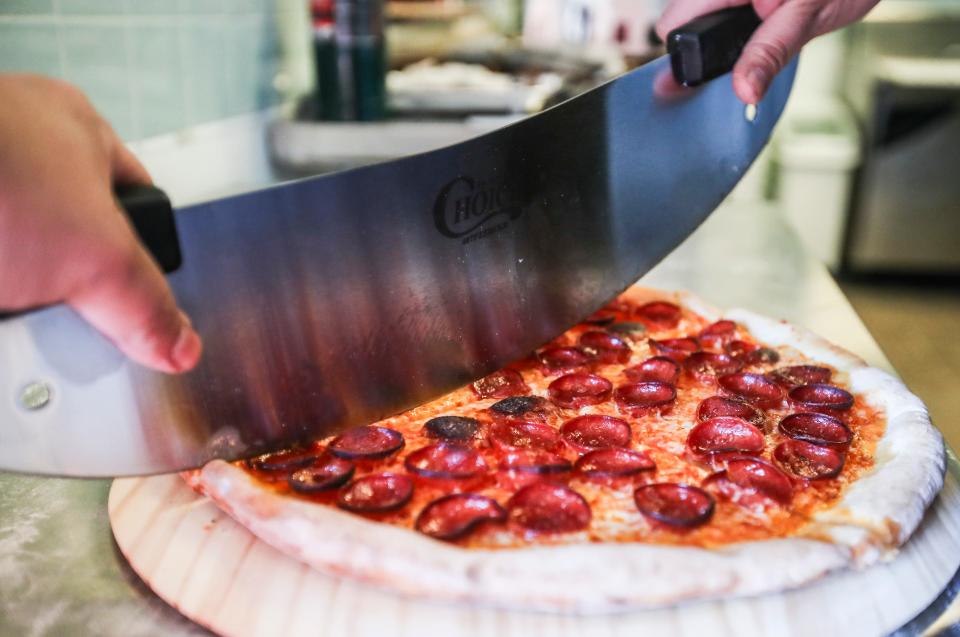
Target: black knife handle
[
  {"x": 708, "y": 46},
  {"x": 151, "y": 214}
]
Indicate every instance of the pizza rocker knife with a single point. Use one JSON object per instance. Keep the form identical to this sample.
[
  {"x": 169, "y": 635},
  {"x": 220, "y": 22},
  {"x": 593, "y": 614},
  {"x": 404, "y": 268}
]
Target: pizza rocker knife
[{"x": 338, "y": 300}]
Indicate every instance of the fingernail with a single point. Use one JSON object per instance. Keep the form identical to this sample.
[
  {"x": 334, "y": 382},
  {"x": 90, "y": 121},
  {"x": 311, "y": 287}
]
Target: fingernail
[
  {"x": 186, "y": 351},
  {"x": 758, "y": 82}
]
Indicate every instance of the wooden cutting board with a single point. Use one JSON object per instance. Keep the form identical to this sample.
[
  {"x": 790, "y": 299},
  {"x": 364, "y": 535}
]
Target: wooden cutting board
[{"x": 218, "y": 574}]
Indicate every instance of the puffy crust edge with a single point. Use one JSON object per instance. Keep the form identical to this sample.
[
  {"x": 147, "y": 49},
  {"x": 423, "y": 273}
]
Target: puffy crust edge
[
  {"x": 587, "y": 578},
  {"x": 876, "y": 515},
  {"x": 880, "y": 511}
]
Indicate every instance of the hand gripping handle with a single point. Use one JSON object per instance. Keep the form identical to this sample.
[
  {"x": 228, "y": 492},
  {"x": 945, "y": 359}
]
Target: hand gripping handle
[{"x": 708, "y": 46}]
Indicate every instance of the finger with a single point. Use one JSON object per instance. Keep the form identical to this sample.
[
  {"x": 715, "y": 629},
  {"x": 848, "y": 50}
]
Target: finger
[
  {"x": 775, "y": 42},
  {"x": 125, "y": 166},
  {"x": 679, "y": 12},
  {"x": 130, "y": 302}
]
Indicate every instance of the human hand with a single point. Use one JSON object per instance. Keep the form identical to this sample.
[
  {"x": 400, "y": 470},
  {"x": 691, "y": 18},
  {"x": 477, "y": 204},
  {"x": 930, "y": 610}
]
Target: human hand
[
  {"x": 787, "y": 26},
  {"x": 63, "y": 237}
]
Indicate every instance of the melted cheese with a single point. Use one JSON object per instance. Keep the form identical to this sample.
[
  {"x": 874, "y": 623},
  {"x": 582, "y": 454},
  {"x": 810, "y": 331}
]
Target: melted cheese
[{"x": 659, "y": 433}]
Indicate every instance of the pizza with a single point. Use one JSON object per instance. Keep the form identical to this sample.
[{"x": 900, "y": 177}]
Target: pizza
[{"x": 658, "y": 452}]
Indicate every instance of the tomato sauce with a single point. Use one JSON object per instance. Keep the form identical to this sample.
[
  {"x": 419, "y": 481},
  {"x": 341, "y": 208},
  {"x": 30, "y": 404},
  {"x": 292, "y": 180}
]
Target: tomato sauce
[{"x": 659, "y": 432}]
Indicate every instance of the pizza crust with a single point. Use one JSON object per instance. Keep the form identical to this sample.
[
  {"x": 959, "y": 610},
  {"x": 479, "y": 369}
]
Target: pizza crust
[
  {"x": 880, "y": 510},
  {"x": 581, "y": 578},
  {"x": 875, "y": 516}
]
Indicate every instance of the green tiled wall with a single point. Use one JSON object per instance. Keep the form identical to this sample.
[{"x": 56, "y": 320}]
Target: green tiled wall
[{"x": 150, "y": 66}]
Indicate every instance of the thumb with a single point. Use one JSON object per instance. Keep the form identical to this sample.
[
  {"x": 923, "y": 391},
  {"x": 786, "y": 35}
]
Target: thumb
[
  {"x": 775, "y": 42},
  {"x": 130, "y": 302}
]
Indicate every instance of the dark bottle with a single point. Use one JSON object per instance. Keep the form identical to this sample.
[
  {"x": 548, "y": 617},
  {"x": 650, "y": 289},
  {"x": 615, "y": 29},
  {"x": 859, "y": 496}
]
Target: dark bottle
[
  {"x": 325, "y": 54},
  {"x": 361, "y": 59}
]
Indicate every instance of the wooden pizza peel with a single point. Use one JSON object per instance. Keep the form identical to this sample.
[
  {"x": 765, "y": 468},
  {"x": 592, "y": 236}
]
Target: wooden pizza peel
[{"x": 214, "y": 571}]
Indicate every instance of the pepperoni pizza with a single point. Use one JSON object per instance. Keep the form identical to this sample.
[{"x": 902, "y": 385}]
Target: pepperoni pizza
[{"x": 655, "y": 453}]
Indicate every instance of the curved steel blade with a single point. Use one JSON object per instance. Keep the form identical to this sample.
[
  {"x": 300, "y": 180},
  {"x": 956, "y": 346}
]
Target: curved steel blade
[{"x": 342, "y": 299}]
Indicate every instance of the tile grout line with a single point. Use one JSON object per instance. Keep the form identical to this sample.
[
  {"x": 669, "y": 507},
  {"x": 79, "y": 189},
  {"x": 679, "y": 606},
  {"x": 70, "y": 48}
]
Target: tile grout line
[
  {"x": 185, "y": 92},
  {"x": 132, "y": 93},
  {"x": 229, "y": 81},
  {"x": 61, "y": 48},
  {"x": 38, "y": 19}
]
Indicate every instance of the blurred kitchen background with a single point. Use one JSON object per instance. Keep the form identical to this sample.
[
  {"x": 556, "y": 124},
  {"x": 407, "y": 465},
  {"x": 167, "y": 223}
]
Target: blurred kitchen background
[{"x": 865, "y": 165}]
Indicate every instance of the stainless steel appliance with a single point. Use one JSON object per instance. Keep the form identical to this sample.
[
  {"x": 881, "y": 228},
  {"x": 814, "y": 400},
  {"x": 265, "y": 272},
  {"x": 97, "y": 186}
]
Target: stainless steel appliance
[{"x": 904, "y": 83}]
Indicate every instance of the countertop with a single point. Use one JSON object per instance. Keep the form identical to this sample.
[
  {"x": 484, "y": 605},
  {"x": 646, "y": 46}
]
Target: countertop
[{"x": 61, "y": 574}]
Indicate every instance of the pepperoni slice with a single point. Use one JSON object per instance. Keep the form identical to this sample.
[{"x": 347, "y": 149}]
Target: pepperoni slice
[
  {"x": 600, "y": 317},
  {"x": 718, "y": 461},
  {"x": 446, "y": 461},
  {"x": 454, "y": 516},
  {"x": 514, "y": 434},
  {"x": 643, "y": 396},
  {"x": 762, "y": 356},
  {"x": 594, "y": 431},
  {"x": 739, "y": 349},
  {"x": 328, "y": 473},
  {"x": 578, "y": 390},
  {"x": 708, "y": 364},
  {"x": 535, "y": 461},
  {"x": 724, "y": 434},
  {"x": 556, "y": 358},
  {"x": 376, "y": 493},
  {"x": 822, "y": 396},
  {"x": 520, "y": 406},
  {"x": 723, "y": 406},
  {"x": 675, "y": 348},
  {"x": 754, "y": 388},
  {"x": 658, "y": 368},
  {"x": 752, "y": 354},
  {"x": 660, "y": 313},
  {"x": 807, "y": 460},
  {"x": 506, "y": 382},
  {"x": 673, "y": 504},
  {"x": 287, "y": 460},
  {"x": 628, "y": 329},
  {"x": 716, "y": 334},
  {"x": 606, "y": 347},
  {"x": 452, "y": 427},
  {"x": 547, "y": 507},
  {"x": 613, "y": 462},
  {"x": 369, "y": 442},
  {"x": 819, "y": 429},
  {"x": 746, "y": 477},
  {"x": 803, "y": 374}
]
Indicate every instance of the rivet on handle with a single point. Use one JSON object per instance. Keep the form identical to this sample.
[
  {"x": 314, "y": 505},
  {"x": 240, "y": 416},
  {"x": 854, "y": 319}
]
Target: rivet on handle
[{"x": 35, "y": 395}]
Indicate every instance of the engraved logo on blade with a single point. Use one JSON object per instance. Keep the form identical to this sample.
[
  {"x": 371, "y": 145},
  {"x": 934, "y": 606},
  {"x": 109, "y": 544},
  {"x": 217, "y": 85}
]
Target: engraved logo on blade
[{"x": 469, "y": 209}]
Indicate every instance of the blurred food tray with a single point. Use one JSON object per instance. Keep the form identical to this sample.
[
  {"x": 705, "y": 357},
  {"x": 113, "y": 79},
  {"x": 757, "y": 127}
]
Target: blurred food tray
[{"x": 303, "y": 148}]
